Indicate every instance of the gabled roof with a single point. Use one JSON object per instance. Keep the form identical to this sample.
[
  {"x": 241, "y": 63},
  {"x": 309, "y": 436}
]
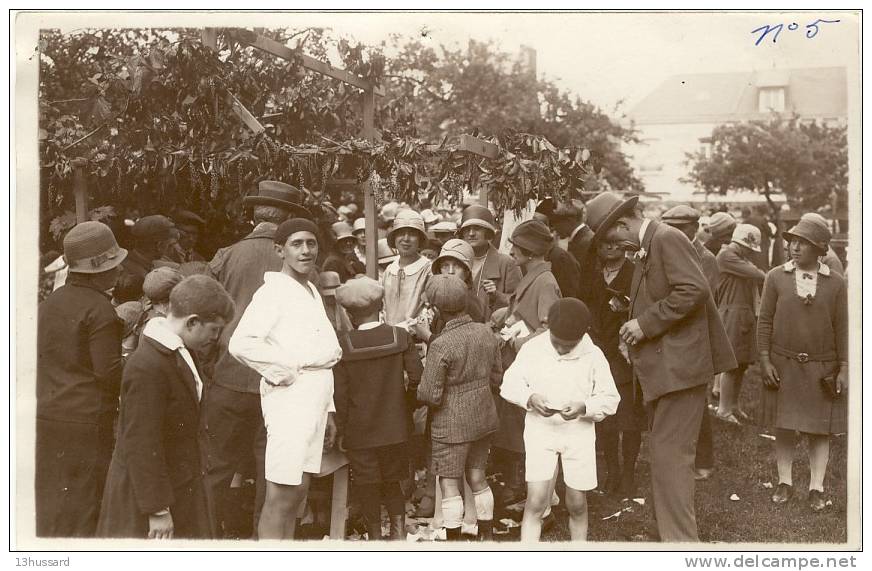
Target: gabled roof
[{"x": 721, "y": 97}]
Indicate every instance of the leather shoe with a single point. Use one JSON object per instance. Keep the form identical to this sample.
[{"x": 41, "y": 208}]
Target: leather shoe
[
  {"x": 729, "y": 419},
  {"x": 816, "y": 500},
  {"x": 782, "y": 493}
]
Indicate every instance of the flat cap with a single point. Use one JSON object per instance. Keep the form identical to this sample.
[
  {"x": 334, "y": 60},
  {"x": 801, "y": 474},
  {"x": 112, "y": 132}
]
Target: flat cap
[
  {"x": 155, "y": 227},
  {"x": 721, "y": 224},
  {"x": 359, "y": 293},
  {"x": 448, "y": 293},
  {"x": 681, "y": 215},
  {"x": 159, "y": 282}
]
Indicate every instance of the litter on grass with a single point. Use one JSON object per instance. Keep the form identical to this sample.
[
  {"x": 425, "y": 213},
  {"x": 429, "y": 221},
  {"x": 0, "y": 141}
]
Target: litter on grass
[
  {"x": 640, "y": 501},
  {"x": 767, "y": 436},
  {"x": 767, "y": 485},
  {"x": 735, "y": 498}
]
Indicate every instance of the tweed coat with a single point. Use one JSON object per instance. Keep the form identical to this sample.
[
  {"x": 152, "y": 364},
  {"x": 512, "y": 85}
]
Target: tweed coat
[
  {"x": 159, "y": 456},
  {"x": 685, "y": 343},
  {"x": 709, "y": 265},
  {"x": 463, "y": 369}
]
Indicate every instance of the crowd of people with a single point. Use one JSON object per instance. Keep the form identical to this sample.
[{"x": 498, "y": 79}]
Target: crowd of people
[{"x": 163, "y": 378}]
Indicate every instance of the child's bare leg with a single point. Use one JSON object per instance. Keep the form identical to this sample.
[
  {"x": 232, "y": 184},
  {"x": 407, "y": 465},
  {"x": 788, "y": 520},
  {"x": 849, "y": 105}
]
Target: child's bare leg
[
  {"x": 538, "y": 499},
  {"x": 279, "y": 517},
  {"x": 576, "y": 504}
]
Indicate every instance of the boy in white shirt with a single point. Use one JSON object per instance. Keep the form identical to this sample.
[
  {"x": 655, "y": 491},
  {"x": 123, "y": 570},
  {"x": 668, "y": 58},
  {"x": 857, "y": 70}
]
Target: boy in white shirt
[{"x": 564, "y": 382}]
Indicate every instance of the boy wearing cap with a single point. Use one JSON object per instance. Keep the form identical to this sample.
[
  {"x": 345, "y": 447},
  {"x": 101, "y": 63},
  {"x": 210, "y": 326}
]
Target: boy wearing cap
[
  {"x": 78, "y": 372},
  {"x": 155, "y": 485},
  {"x": 565, "y": 384},
  {"x": 738, "y": 301},
  {"x": 404, "y": 279},
  {"x": 494, "y": 274},
  {"x": 373, "y": 405},
  {"x": 720, "y": 226},
  {"x": 463, "y": 368},
  {"x": 342, "y": 259}
]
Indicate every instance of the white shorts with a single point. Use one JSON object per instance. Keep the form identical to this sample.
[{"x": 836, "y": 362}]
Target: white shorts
[
  {"x": 295, "y": 421},
  {"x": 573, "y": 442}
]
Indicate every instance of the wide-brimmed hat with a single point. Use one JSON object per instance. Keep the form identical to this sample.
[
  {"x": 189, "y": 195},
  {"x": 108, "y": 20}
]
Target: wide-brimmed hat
[
  {"x": 604, "y": 209},
  {"x": 279, "y": 194},
  {"x": 389, "y": 211},
  {"x": 456, "y": 249},
  {"x": 748, "y": 236},
  {"x": 343, "y": 231},
  {"x": 407, "y": 219},
  {"x": 819, "y": 235},
  {"x": 429, "y": 216},
  {"x": 477, "y": 215},
  {"x": 90, "y": 248},
  {"x": 532, "y": 235},
  {"x": 680, "y": 215},
  {"x": 386, "y": 254}
]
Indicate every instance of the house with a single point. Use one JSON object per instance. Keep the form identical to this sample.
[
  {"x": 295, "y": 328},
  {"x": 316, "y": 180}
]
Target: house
[{"x": 678, "y": 117}]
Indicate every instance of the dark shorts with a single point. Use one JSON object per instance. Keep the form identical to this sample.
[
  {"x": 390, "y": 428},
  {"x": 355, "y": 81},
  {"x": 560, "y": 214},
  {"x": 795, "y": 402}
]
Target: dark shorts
[
  {"x": 450, "y": 460},
  {"x": 380, "y": 464}
]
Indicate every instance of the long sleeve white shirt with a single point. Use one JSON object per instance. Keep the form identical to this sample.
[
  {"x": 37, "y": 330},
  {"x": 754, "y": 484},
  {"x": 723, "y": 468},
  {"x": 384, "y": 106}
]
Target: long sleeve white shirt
[
  {"x": 285, "y": 332},
  {"x": 582, "y": 375}
]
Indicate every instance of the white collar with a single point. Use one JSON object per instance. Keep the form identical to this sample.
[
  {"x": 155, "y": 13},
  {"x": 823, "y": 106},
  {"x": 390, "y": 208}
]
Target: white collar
[
  {"x": 823, "y": 269},
  {"x": 277, "y": 277},
  {"x": 409, "y": 270},
  {"x": 584, "y": 347},
  {"x": 642, "y": 229},
  {"x": 578, "y": 229},
  {"x": 368, "y": 325},
  {"x": 157, "y": 329}
]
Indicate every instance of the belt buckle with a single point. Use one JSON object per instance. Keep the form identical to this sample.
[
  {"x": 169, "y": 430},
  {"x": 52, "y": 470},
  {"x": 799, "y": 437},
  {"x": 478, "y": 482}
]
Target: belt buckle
[{"x": 802, "y": 357}]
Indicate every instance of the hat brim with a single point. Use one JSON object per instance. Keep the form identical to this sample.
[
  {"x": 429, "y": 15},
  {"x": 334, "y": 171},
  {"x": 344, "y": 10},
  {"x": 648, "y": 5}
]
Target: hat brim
[
  {"x": 270, "y": 201},
  {"x": 389, "y": 259},
  {"x": 392, "y": 240},
  {"x": 609, "y": 221},
  {"x": 788, "y": 235},
  {"x": 440, "y": 259},
  {"x": 753, "y": 248},
  {"x": 477, "y": 222},
  {"x": 109, "y": 264}
]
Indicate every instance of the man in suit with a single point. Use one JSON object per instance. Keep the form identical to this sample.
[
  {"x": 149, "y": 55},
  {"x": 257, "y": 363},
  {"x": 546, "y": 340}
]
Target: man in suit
[
  {"x": 568, "y": 221},
  {"x": 676, "y": 342},
  {"x": 563, "y": 264}
]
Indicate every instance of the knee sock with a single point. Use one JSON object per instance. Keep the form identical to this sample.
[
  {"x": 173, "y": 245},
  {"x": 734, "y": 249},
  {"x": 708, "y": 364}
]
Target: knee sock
[
  {"x": 785, "y": 445},
  {"x": 484, "y": 504},
  {"x": 452, "y": 512},
  {"x": 392, "y": 495},
  {"x": 818, "y": 457}
]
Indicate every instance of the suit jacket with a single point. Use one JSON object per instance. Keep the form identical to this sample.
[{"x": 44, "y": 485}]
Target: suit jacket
[
  {"x": 565, "y": 269},
  {"x": 581, "y": 247},
  {"x": 157, "y": 461},
  {"x": 505, "y": 273},
  {"x": 463, "y": 368},
  {"x": 240, "y": 269},
  {"x": 685, "y": 343}
]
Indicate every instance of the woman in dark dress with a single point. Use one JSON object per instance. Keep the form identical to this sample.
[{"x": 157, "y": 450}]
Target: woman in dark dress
[{"x": 620, "y": 435}]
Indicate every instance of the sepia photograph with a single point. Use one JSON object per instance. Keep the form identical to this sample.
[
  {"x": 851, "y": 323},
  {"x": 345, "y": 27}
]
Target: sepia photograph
[{"x": 436, "y": 280}]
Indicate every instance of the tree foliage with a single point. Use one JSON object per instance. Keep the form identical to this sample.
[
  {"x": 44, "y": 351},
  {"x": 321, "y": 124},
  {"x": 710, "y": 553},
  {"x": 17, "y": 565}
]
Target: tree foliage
[
  {"x": 150, "y": 114},
  {"x": 806, "y": 161}
]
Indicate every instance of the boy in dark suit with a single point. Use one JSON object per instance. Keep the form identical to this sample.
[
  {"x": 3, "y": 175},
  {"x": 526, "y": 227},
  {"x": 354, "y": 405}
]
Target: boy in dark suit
[
  {"x": 373, "y": 405},
  {"x": 155, "y": 484}
]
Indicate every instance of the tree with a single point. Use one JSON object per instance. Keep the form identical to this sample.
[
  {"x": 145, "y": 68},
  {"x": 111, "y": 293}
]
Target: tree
[
  {"x": 434, "y": 91},
  {"x": 805, "y": 160}
]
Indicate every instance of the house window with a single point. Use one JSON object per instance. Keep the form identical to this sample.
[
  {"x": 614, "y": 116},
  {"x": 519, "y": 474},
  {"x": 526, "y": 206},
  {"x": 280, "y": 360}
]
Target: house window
[{"x": 771, "y": 99}]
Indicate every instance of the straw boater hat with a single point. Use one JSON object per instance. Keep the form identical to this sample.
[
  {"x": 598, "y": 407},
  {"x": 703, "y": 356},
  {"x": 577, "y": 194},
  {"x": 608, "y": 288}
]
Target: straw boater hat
[
  {"x": 275, "y": 193},
  {"x": 818, "y": 234},
  {"x": 407, "y": 219},
  {"x": 604, "y": 210},
  {"x": 90, "y": 248}
]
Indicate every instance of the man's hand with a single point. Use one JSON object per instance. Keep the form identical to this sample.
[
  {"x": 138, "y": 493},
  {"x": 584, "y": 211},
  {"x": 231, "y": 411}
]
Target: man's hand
[
  {"x": 631, "y": 333},
  {"x": 842, "y": 381},
  {"x": 770, "y": 373},
  {"x": 160, "y": 526},
  {"x": 573, "y": 410},
  {"x": 537, "y": 403},
  {"x": 489, "y": 286},
  {"x": 330, "y": 433}
]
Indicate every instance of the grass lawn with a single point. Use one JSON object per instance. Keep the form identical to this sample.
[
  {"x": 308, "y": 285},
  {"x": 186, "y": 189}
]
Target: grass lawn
[{"x": 744, "y": 461}]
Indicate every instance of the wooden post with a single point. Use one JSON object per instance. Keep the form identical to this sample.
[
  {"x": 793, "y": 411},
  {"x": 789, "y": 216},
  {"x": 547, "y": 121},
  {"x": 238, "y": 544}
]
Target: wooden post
[
  {"x": 369, "y": 206},
  {"x": 80, "y": 189}
]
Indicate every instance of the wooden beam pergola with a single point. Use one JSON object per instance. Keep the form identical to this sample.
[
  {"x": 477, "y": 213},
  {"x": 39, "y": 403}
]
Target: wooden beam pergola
[{"x": 468, "y": 143}]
